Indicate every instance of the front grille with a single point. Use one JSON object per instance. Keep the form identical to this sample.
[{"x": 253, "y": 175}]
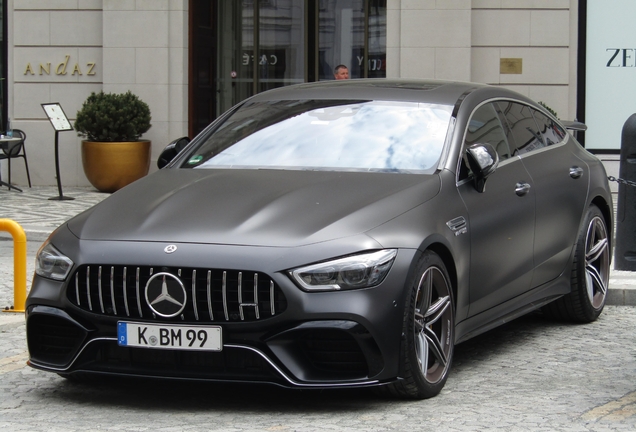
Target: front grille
[{"x": 212, "y": 295}]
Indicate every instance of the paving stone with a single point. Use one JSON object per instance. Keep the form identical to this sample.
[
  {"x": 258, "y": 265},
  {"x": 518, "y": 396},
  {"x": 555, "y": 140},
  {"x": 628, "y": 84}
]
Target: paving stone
[{"x": 532, "y": 374}]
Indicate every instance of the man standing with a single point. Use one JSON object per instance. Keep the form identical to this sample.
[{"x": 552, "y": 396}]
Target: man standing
[{"x": 341, "y": 72}]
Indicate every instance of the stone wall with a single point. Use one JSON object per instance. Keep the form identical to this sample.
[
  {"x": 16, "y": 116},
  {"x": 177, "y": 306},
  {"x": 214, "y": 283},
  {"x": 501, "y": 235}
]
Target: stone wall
[
  {"x": 62, "y": 50},
  {"x": 526, "y": 45}
]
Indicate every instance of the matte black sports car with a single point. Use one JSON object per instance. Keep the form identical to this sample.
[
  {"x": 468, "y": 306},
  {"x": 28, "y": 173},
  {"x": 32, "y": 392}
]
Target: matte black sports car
[{"x": 330, "y": 235}]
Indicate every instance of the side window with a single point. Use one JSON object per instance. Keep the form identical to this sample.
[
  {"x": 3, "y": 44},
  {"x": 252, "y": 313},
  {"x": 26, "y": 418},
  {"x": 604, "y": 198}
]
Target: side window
[
  {"x": 485, "y": 126},
  {"x": 552, "y": 133},
  {"x": 525, "y": 134}
]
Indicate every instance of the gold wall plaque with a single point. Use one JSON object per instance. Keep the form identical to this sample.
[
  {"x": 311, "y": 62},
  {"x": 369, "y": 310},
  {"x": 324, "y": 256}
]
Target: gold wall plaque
[{"x": 510, "y": 66}]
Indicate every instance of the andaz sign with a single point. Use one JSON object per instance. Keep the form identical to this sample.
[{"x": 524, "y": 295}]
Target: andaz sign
[{"x": 62, "y": 68}]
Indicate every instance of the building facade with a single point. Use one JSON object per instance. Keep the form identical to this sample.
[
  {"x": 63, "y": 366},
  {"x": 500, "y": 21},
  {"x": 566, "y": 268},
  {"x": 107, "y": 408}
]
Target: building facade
[{"x": 190, "y": 60}]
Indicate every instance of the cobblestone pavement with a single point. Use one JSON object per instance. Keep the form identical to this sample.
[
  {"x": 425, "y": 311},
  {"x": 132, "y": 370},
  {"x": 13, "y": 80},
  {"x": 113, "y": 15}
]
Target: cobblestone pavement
[
  {"x": 529, "y": 375},
  {"x": 39, "y": 215}
]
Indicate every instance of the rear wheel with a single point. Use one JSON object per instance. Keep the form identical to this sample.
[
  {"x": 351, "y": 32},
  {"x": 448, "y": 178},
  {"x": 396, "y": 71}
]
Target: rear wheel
[
  {"x": 590, "y": 272},
  {"x": 429, "y": 329}
]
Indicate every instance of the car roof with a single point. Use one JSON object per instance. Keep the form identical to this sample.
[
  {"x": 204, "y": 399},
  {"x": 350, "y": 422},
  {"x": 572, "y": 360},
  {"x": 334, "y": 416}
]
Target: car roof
[{"x": 430, "y": 91}]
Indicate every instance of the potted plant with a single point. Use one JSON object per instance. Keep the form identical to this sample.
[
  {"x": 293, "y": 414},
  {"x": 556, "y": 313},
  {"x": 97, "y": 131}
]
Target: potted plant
[{"x": 113, "y": 155}]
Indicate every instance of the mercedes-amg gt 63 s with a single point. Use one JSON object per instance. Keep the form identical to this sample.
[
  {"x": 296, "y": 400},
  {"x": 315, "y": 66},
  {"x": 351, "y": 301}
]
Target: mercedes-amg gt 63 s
[{"x": 326, "y": 235}]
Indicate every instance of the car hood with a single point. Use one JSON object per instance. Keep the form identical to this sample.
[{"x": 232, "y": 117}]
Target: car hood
[{"x": 252, "y": 207}]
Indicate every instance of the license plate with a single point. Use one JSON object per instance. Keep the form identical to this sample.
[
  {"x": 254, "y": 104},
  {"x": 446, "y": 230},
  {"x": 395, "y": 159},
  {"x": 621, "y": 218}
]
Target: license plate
[{"x": 182, "y": 337}]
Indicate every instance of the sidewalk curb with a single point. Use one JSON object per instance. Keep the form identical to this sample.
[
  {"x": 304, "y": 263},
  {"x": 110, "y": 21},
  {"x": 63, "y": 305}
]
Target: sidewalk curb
[{"x": 620, "y": 297}]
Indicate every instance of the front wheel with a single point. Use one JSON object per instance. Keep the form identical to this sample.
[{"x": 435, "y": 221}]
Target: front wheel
[{"x": 429, "y": 330}]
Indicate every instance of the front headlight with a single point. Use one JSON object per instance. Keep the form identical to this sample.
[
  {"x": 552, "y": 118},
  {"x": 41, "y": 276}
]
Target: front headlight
[
  {"x": 51, "y": 263},
  {"x": 353, "y": 272}
]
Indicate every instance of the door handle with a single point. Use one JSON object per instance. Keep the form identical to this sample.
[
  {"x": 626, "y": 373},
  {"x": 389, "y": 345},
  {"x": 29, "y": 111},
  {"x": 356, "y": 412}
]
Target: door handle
[
  {"x": 522, "y": 189},
  {"x": 576, "y": 172}
]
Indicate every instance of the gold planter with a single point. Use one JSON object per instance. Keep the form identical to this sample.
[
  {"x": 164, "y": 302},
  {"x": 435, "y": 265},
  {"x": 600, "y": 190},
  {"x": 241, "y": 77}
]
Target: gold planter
[{"x": 110, "y": 166}]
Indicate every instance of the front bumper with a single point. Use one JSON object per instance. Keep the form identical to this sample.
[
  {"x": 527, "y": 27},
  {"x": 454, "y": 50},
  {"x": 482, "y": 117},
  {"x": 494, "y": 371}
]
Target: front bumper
[{"x": 326, "y": 339}]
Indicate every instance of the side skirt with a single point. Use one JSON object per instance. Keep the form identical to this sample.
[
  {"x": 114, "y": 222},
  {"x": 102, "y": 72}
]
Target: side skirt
[{"x": 512, "y": 309}]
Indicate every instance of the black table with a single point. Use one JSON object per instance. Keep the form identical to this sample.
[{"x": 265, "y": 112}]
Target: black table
[{"x": 7, "y": 143}]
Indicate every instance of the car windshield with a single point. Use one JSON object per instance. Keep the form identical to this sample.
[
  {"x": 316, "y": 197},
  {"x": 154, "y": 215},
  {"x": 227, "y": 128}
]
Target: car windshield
[{"x": 328, "y": 135}]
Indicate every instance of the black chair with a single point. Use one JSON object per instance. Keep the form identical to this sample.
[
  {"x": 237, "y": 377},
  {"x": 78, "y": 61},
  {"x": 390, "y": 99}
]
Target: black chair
[{"x": 15, "y": 151}]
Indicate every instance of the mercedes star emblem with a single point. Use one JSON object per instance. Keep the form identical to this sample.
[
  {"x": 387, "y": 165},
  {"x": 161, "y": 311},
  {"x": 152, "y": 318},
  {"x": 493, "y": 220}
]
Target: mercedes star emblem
[{"x": 166, "y": 295}]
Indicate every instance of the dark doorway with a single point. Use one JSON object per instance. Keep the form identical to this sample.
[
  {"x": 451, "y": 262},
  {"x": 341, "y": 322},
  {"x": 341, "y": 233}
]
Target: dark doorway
[
  {"x": 242, "y": 47},
  {"x": 202, "y": 70}
]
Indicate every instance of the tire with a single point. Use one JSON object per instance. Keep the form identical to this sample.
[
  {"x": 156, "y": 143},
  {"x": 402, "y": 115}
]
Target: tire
[
  {"x": 426, "y": 351},
  {"x": 590, "y": 273}
]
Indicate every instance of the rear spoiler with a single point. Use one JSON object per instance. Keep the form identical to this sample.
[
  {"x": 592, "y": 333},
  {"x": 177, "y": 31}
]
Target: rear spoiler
[{"x": 575, "y": 126}]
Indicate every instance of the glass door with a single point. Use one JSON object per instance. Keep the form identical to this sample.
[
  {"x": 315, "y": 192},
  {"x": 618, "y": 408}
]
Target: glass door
[
  {"x": 242, "y": 47},
  {"x": 276, "y": 28},
  {"x": 352, "y": 33},
  {"x": 341, "y": 31},
  {"x": 281, "y": 43},
  {"x": 235, "y": 73},
  {"x": 376, "y": 35}
]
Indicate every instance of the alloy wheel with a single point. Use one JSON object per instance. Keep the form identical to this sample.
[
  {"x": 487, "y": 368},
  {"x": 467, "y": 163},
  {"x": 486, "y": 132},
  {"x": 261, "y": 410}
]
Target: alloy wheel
[
  {"x": 597, "y": 262},
  {"x": 433, "y": 325}
]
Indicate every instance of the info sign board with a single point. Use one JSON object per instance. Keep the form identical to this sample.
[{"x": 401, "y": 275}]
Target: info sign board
[
  {"x": 610, "y": 83},
  {"x": 60, "y": 123},
  {"x": 58, "y": 118}
]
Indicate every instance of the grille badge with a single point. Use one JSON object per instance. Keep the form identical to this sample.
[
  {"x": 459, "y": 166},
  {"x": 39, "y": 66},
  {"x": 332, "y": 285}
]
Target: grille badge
[
  {"x": 170, "y": 248},
  {"x": 166, "y": 295}
]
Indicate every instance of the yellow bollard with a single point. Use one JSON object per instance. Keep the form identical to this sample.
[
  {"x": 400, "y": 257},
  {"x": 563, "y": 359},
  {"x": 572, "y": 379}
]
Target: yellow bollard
[{"x": 19, "y": 263}]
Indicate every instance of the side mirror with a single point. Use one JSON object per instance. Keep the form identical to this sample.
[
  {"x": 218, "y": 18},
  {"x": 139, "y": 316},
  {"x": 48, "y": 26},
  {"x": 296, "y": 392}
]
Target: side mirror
[
  {"x": 483, "y": 160},
  {"x": 171, "y": 151}
]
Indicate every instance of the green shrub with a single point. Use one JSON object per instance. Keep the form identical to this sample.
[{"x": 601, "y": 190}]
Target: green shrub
[
  {"x": 113, "y": 117},
  {"x": 550, "y": 110}
]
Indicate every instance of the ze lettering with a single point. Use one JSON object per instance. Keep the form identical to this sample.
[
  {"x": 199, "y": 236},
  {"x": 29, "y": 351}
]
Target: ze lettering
[
  {"x": 616, "y": 51},
  {"x": 620, "y": 60}
]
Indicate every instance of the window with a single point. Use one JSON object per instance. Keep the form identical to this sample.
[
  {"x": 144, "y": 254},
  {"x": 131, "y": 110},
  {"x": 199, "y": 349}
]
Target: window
[
  {"x": 525, "y": 133},
  {"x": 384, "y": 136},
  {"x": 551, "y": 132},
  {"x": 485, "y": 126}
]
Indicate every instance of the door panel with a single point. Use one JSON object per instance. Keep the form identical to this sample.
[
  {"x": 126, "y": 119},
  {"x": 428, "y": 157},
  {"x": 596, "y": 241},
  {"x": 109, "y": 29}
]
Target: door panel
[
  {"x": 560, "y": 181},
  {"x": 501, "y": 228},
  {"x": 560, "y": 201}
]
